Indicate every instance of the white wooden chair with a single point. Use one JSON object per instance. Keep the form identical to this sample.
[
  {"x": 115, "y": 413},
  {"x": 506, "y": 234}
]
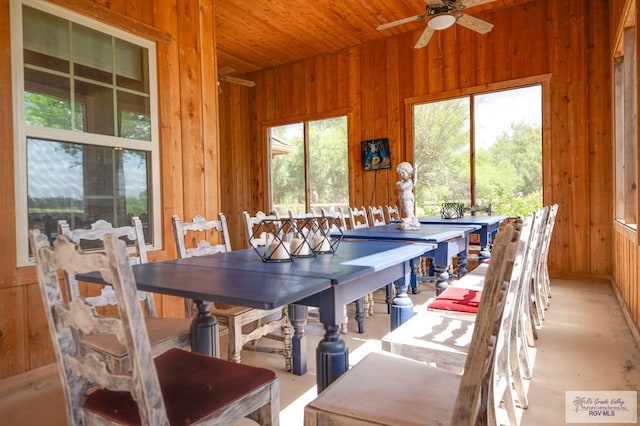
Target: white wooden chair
[
  {"x": 525, "y": 331},
  {"x": 358, "y": 218},
  {"x": 339, "y": 219},
  {"x": 393, "y": 214},
  {"x": 164, "y": 333},
  {"x": 338, "y": 223},
  {"x": 251, "y": 223},
  {"x": 387, "y": 389},
  {"x": 442, "y": 337},
  {"x": 260, "y": 323},
  {"x": 542, "y": 283},
  {"x": 177, "y": 387},
  {"x": 376, "y": 216}
]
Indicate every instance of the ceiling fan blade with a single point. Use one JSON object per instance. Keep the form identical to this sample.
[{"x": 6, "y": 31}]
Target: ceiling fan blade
[
  {"x": 401, "y": 21},
  {"x": 236, "y": 80},
  {"x": 472, "y": 3},
  {"x": 473, "y": 23},
  {"x": 433, "y": 2},
  {"x": 424, "y": 38},
  {"x": 226, "y": 70}
]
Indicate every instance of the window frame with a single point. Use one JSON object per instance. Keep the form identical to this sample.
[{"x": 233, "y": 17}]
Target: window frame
[
  {"x": 266, "y": 131},
  {"x": 22, "y": 132},
  {"x": 543, "y": 80},
  {"x": 625, "y": 146}
]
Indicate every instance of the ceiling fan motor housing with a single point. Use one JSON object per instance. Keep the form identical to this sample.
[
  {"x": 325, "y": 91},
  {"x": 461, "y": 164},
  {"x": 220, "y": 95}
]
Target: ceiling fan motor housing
[{"x": 446, "y": 7}]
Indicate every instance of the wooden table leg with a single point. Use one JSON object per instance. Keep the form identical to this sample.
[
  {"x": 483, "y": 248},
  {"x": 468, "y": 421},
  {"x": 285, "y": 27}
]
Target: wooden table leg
[
  {"x": 462, "y": 264},
  {"x": 298, "y": 315},
  {"x": 332, "y": 357},
  {"x": 204, "y": 336},
  {"x": 402, "y": 305}
]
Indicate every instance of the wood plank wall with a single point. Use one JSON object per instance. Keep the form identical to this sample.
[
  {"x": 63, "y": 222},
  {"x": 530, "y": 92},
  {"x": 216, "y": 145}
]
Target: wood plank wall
[
  {"x": 184, "y": 30},
  {"x": 626, "y": 248},
  {"x": 567, "y": 40}
]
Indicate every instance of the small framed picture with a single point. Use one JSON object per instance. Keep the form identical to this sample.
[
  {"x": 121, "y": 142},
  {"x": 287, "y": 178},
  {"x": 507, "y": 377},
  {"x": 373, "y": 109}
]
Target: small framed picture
[{"x": 375, "y": 154}]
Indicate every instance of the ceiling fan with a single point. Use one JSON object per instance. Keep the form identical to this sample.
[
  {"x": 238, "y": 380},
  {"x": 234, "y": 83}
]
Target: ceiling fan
[
  {"x": 223, "y": 75},
  {"x": 442, "y": 14}
]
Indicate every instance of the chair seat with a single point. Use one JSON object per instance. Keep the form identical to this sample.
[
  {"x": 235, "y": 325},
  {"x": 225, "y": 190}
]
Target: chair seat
[
  {"x": 401, "y": 401},
  {"x": 475, "y": 278},
  {"x": 458, "y": 299},
  {"x": 438, "y": 337},
  {"x": 193, "y": 387},
  {"x": 164, "y": 333}
]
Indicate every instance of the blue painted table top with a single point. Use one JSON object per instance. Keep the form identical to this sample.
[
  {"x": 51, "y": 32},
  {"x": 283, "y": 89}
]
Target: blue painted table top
[
  {"x": 426, "y": 233},
  {"x": 465, "y": 220},
  {"x": 241, "y": 277}
]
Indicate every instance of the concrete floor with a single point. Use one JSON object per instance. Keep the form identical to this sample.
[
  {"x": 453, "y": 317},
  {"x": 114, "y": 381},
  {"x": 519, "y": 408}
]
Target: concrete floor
[{"x": 584, "y": 344}]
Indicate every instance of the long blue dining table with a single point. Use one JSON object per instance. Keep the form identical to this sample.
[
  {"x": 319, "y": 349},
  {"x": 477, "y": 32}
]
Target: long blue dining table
[
  {"x": 487, "y": 231},
  {"x": 449, "y": 241},
  {"x": 326, "y": 281}
]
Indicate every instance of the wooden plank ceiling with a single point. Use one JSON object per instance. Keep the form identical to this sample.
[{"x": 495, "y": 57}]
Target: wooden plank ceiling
[{"x": 258, "y": 34}]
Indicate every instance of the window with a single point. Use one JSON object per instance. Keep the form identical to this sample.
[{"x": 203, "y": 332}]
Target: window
[
  {"x": 478, "y": 150},
  {"x": 626, "y": 135},
  {"x": 309, "y": 165},
  {"x": 86, "y": 139}
]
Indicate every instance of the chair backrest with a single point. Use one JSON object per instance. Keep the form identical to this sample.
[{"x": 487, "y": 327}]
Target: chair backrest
[
  {"x": 504, "y": 375},
  {"x": 393, "y": 214},
  {"x": 80, "y": 369},
  {"x": 477, "y": 378},
  {"x": 376, "y": 216},
  {"x": 339, "y": 220},
  {"x": 358, "y": 218},
  {"x": 548, "y": 232},
  {"x": 255, "y": 236},
  {"x": 94, "y": 237},
  {"x": 310, "y": 213},
  {"x": 189, "y": 236}
]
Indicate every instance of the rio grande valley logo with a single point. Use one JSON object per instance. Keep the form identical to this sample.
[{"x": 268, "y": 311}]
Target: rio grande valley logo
[{"x": 601, "y": 407}]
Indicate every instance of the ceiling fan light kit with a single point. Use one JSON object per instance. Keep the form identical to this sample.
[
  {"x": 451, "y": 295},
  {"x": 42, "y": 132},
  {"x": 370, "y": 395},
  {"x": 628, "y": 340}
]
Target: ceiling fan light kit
[
  {"x": 441, "y": 17},
  {"x": 441, "y": 22}
]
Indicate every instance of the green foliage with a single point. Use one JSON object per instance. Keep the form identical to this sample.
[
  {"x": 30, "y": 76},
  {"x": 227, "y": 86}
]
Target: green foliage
[
  {"x": 137, "y": 206},
  {"x": 135, "y": 126},
  {"x": 54, "y": 204},
  {"x": 328, "y": 157},
  {"x": 287, "y": 172},
  {"x": 441, "y": 146},
  {"x": 328, "y": 167},
  {"x": 508, "y": 173},
  {"x": 47, "y": 111}
]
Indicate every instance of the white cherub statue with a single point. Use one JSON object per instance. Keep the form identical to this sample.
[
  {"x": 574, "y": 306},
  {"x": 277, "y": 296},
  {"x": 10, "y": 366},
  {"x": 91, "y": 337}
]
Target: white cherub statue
[{"x": 406, "y": 198}]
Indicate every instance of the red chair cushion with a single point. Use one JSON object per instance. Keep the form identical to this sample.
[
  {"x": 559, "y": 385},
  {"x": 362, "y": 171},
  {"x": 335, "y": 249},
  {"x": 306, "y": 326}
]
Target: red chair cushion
[
  {"x": 193, "y": 385},
  {"x": 457, "y": 299}
]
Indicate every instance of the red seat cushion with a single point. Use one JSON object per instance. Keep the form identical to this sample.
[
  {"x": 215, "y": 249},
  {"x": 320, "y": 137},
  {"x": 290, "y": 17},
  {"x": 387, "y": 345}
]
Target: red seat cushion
[
  {"x": 193, "y": 385},
  {"x": 457, "y": 299}
]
